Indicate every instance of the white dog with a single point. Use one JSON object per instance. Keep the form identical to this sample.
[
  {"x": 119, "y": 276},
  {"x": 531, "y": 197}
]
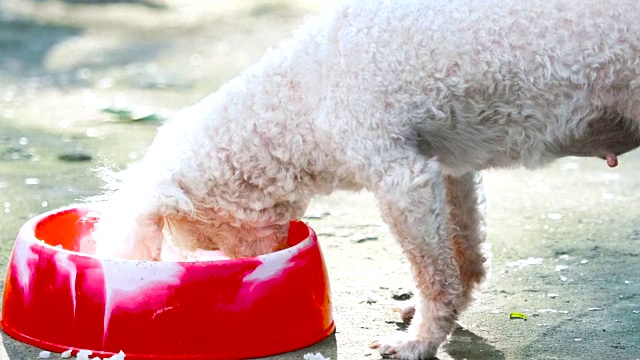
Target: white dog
[{"x": 407, "y": 99}]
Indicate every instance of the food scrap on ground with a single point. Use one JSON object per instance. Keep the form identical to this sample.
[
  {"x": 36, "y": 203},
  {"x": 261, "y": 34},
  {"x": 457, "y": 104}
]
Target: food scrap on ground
[
  {"x": 119, "y": 356},
  {"x": 83, "y": 354},
  {"x": 128, "y": 114},
  {"x": 316, "y": 356}
]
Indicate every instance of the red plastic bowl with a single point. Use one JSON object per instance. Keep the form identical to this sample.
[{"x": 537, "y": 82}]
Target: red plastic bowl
[{"x": 57, "y": 298}]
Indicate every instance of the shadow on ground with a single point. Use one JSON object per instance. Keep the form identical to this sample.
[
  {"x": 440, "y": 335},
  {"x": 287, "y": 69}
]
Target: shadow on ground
[
  {"x": 464, "y": 344},
  {"x": 25, "y": 43},
  {"x": 145, "y": 3},
  {"x": 17, "y": 350}
]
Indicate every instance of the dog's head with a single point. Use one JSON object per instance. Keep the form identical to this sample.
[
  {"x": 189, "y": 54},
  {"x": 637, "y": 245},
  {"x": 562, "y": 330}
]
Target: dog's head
[{"x": 217, "y": 232}]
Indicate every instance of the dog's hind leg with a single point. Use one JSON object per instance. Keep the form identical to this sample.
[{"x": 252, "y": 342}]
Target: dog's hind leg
[{"x": 413, "y": 203}]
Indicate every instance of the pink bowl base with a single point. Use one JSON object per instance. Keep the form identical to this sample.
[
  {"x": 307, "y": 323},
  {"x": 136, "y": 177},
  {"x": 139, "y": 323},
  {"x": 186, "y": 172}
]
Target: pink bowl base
[{"x": 56, "y": 298}]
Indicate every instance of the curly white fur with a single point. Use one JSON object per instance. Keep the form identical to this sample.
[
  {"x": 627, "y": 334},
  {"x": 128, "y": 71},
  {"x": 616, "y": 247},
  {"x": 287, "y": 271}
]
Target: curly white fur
[{"x": 408, "y": 99}]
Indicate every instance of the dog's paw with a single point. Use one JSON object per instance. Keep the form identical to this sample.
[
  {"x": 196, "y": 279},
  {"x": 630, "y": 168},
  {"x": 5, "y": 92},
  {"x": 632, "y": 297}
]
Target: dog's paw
[{"x": 405, "y": 347}]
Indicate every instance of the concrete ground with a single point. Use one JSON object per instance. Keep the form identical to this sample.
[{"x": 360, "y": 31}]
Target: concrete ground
[{"x": 565, "y": 240}]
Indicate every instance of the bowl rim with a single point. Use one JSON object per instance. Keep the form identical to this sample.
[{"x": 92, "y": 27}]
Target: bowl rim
[{"x": 27, "y": 233}]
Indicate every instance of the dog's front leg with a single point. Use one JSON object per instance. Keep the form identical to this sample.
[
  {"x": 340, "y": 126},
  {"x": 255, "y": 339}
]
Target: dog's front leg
[
  {"x": 466, "y": 225},
  {"x": 413, "y": 203},
  {"x": 466, "y": 229}
]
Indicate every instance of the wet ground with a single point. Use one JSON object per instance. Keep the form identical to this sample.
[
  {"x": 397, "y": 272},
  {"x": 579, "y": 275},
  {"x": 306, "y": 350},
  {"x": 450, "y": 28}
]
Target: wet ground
[{"x": 565, "y": 240}]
